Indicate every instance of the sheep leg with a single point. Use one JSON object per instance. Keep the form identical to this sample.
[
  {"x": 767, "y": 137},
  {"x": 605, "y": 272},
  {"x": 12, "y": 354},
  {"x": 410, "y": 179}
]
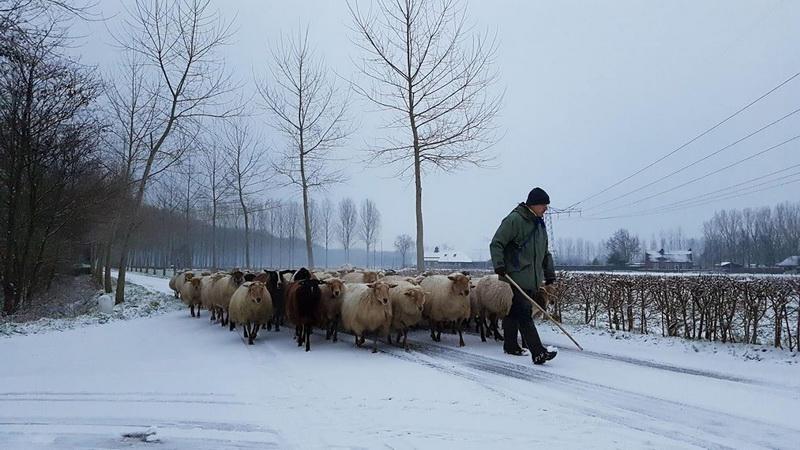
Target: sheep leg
[
  {"x": 298, "y": 333},
  {"x": 482, "y": 326},
  {"x": 198, "y": 311},
  {"x": 460, "y": 336},
  {"x": 191, "y": 310},
  {"x": 336, "y": 330},
  {"x": 308, "y": 338},
  {"x": 375, "y": 343},
  {"x": 389, "y": 338},
  {"x": 401, "y": 332},
  {"x": 254, "y": 330},
  {"x": 233, "y": 326},
  {"x": 433, "y": 332},
  {"x": 213, "y": 314},
  {"x": 405, "y": 338},
  {"x": 328, "y": 331},
  {"x": 269, "y": 325}
]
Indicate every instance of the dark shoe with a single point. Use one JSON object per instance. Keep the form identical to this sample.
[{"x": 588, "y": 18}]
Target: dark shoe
[
  {"x": 543, "y": 357},
  {"x": 517, "y": 352}
]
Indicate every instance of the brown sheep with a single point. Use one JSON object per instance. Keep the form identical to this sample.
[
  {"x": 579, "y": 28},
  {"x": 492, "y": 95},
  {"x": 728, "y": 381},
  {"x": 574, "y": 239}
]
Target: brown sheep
[
  {"x": 303, "y": 308},
  {"x": 331, "y": 303}
]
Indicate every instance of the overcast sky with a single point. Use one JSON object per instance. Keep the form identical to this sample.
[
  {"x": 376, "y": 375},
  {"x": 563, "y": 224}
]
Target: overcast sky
[{"x": 594, "y": 91}]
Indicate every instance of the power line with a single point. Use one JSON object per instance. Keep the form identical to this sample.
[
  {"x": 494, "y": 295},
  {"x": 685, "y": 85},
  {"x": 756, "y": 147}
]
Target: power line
[
  {"x": 690, "y": 141},
  {"x": 696, "y": 201},
  {"x": 713, "y": 172},
  {"x": 698, "y": 161}
]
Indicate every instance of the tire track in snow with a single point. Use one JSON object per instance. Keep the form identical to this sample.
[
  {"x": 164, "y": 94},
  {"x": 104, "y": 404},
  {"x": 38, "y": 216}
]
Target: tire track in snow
[{"x": 674, "y": 420}]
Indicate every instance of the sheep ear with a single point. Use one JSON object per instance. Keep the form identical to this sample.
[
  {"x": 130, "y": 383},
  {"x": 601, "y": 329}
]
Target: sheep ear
[
  {"x": 392, "y": 285},
  {"x": 370, "y": 285},
  {"x": 408, "y": 294},
  {"x": 452, "y": 278}
]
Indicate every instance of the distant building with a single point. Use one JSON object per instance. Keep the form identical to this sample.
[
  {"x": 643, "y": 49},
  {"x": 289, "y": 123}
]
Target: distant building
[
  {"x": 452, "y": 259},
  {"x": 671, "y": 260},
  {"x": 790, "y": 263},
  {"x": 729, "y": 266}
]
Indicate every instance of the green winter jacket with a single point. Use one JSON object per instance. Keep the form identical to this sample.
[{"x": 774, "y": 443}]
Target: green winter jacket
[{"x": 520, "y": 247}]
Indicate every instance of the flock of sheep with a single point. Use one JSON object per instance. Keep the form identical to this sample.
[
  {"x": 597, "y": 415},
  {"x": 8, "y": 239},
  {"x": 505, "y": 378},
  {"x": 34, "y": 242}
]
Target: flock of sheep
[{"x": 360, "y": 302}]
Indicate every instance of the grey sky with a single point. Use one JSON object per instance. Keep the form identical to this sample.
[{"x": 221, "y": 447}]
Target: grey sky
[{"x": 594, "y": 91}]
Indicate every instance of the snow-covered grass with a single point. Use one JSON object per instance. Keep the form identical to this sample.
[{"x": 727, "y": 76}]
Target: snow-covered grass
[
  {"x": 184, "y": 383},
  {"x": 139, "y": 302}
]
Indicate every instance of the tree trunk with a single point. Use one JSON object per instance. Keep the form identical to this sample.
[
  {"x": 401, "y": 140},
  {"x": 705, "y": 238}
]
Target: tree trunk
[{"x": 107, "y": 267}]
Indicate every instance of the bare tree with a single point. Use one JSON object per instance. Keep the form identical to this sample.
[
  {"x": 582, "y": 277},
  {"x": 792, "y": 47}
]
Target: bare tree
[
  {"x": 247, "y": 173},
  {"x": 433, "y": 76},
  {"x": 304, "y": 107},
  {"x": 370, "y": 225},
  {"x": 403, "y": 244},
  {"x": 216, "y": 184},
  {"x": 326, "y": 219},
  {"x": 178, "y": 42},
  {"x": 275, "y": 212},
  {"x": 292, "y": 222},
  {"x": 348, "y": 220}
]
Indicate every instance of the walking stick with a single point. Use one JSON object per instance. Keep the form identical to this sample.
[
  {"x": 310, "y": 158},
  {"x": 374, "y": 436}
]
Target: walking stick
[{"x": 544, "y": 311}]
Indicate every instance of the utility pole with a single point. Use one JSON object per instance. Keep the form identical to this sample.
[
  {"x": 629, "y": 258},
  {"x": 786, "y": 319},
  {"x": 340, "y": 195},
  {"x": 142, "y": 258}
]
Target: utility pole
[{"x": 568, "y": 212}]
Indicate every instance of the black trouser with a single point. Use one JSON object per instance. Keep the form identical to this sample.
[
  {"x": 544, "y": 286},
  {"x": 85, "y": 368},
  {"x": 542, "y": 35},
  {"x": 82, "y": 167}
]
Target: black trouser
[{"x": 519, "y": 320}]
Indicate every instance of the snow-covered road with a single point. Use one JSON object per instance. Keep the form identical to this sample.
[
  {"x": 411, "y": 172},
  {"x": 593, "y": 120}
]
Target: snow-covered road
[{"x": 202, "y": 388}]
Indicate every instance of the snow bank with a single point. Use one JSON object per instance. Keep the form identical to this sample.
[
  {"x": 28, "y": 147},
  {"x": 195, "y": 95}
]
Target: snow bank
[{"x": 139, "y": 302}]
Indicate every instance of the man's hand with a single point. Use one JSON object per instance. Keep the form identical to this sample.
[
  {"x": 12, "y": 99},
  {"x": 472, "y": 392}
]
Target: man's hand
[{"x": 501, "y": 271}]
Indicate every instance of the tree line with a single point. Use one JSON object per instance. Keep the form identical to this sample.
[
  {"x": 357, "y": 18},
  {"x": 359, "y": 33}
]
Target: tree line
[{"x": 89, "y": 158}]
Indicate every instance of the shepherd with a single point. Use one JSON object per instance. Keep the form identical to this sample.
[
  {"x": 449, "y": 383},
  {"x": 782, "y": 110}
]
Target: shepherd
[{"x": 519, "y": 249}]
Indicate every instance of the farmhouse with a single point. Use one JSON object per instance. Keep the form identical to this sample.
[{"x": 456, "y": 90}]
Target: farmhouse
[{"x": 671, "y": 260}]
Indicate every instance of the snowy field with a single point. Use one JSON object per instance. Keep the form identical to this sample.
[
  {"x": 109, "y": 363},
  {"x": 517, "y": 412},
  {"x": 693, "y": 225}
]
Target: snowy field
[{"x": 198, "y": 386}]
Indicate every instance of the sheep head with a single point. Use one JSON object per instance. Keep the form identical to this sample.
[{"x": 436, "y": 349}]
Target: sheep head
[
  {"x": 238, "y": 277},
  {"x": 187, "y": 276},
  {"x": 460, "y": 283},
  {"x": 417, "y": 296},
  {"x": 257, "y": 292},
  {"x": 336, "y": 286},
  {"x": 380, "y": 291}
]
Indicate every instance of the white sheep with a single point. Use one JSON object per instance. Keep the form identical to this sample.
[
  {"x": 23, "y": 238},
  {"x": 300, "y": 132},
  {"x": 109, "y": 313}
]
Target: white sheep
[
  {"x": 366, "y": 308},
  {"x": 404, "y": 278},
  {"x": 177, "y": 280},
  {"x": 206, "y": 293},
  {"x": 222, "y": 291},
  {"x": 250, "y": 306},
  {"x": 408, "y": 301},
  {"x": 447, "y": 301},
  {"x": 190, "y": 295},
  {"x": 360, "y": 277},
  {"x": 493, "y": 301}
]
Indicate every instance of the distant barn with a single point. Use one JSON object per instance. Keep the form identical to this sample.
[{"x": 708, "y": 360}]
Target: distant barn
[
  {"x": 668, "y": 260},
  {"x": 452, "y": 259}
]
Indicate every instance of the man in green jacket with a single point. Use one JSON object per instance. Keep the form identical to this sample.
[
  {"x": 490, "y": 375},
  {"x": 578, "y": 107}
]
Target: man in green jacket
[{"x": 519, "y": 250}]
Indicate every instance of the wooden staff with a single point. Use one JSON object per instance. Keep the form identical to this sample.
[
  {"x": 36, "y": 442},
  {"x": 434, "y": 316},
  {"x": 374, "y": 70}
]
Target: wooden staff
[{"x": 546, "y": 314}]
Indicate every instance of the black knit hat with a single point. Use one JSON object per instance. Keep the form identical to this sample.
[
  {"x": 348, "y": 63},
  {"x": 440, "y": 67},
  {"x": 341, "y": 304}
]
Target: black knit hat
[{"x": 537, "y": 196}]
